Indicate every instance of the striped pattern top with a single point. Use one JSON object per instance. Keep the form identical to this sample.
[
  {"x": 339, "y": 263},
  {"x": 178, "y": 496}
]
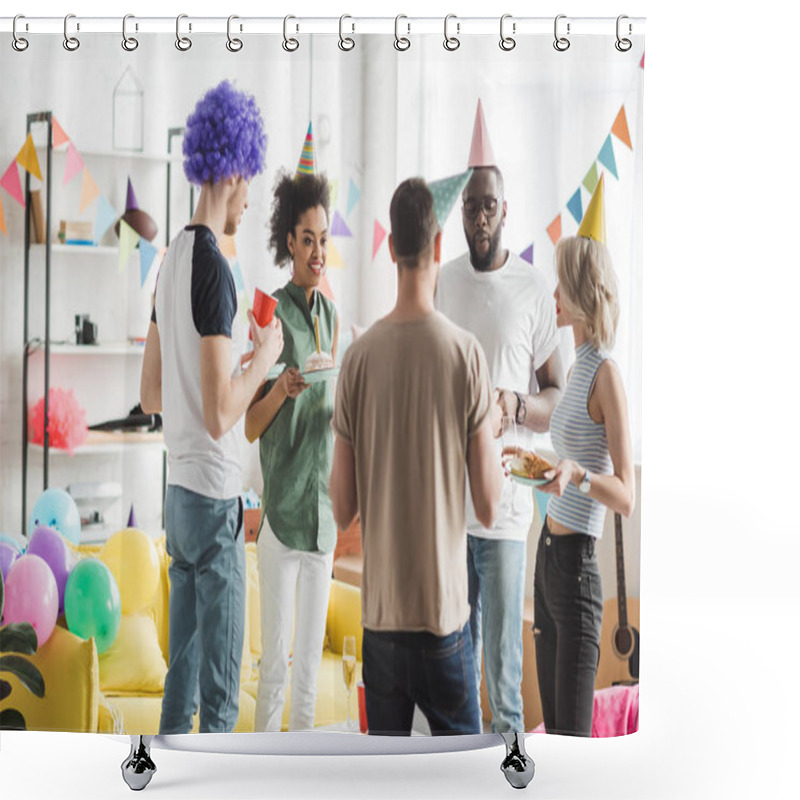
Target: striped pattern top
[{"x": 575, "y": 435}]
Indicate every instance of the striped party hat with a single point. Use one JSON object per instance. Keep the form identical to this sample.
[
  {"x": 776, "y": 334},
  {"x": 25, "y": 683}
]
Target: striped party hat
[{"x": 308, "y": 159}]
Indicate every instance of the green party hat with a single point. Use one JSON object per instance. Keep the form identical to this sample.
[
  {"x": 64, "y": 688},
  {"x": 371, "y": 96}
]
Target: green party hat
[{"x": 445, "y": 194}]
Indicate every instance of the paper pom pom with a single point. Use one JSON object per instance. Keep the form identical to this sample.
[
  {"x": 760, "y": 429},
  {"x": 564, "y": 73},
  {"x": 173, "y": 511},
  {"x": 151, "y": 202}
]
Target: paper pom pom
[{"x": 67, "y": 427}]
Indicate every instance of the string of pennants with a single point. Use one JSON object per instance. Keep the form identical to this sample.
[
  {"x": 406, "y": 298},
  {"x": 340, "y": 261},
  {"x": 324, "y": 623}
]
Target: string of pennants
[{"x": 105, "y": 213}]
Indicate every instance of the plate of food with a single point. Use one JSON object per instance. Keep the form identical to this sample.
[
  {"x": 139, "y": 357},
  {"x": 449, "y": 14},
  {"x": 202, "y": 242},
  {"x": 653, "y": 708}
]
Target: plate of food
[
  {"x": 319, "y": 367},
  {"x": 528, "y": 469}
]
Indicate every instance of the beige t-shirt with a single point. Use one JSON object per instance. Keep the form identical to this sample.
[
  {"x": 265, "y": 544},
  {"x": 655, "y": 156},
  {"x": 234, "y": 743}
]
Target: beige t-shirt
[{"x": 409, "y": 395}]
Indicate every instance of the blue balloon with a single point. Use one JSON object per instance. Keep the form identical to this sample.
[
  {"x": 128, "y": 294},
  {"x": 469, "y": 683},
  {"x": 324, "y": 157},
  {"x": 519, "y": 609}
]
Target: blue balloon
[
  {"x": 56, "y": 509},
  {"x": 13, "y": 541}
]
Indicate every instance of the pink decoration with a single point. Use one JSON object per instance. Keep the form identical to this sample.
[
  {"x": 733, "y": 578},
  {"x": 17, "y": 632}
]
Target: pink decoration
[
  {"x": 481, "y": 153},
  {"x": 67, "y": 427},
  {"x": 616, "y": 712},
  {"x": 74, "y": 163},
  {"x": 32, "y": 596},
  {"x": 10, "y": 182},
  {"x": 378, "y": 236}
]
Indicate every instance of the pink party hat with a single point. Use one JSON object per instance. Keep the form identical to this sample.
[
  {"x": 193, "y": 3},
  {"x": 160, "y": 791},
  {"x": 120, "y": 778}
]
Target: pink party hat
[
  {"x": 130, "y": 203},
  {"x": 308, "y": 160},
  {"x": 481, "y": 153}
]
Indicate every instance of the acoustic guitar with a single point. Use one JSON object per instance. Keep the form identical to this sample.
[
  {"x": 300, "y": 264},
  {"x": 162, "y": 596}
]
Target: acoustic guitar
[{"x": 619, "y": 643}]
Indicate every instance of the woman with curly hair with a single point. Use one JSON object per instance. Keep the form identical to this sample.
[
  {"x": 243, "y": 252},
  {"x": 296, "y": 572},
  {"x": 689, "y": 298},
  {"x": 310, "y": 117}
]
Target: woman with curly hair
[
  {"x": 293, "y": 420},
  {"x": 189, "y": 374}
]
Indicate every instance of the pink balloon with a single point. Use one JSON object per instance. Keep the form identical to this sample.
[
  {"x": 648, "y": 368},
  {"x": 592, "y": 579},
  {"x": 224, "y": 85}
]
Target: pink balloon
[{"x": 32, "y": 596}]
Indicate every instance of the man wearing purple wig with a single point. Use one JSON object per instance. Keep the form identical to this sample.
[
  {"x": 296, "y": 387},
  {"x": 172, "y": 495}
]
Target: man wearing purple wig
[{"x": 192, "y": 374}]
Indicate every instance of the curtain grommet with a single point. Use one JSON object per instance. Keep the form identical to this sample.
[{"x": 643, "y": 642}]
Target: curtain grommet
[
  {"x": 507, "y": 43},
  {"x": 401, "y": 43},
  {"x": 183, "y": 43},
  {"x": 129, "y": 43}
]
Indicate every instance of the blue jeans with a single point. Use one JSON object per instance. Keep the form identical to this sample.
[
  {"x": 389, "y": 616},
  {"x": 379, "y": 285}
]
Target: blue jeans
[
  {"x": 496, "y": 571},
  {"x": 206, "y": 612},
  {"x": 402, "y": 670}
]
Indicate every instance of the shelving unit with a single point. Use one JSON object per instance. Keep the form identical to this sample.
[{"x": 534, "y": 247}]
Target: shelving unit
[{"x": 97, "y": 443}]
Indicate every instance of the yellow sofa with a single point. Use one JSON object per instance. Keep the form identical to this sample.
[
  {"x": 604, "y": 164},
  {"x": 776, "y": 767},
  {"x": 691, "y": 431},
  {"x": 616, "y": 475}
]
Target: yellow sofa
[{"x": 120, "y": 691}]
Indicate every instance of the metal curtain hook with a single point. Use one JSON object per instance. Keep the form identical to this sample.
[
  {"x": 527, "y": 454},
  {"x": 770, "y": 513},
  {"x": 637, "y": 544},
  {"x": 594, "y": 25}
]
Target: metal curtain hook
[
  {"x": 507, "y": 42},
  {"x": 183, "y": 43},
  {"x": 19, "y": 43},
  {"x": 71, "y": 43},
  {"x": 623, "y": 45},
  {"x": 346, "y": 42},
  {"x": 561, "y": 43},
  {"x": 129, "y": 43},
  {"x": 290, "y": 44},
  {"x": 401, "y": 42},
  {"x": 451, "y": 42},
  {"x": 233, "y": 44}
]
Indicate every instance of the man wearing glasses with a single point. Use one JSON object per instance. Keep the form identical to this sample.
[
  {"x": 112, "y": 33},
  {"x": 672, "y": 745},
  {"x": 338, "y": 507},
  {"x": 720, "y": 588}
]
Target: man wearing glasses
[{"x": 508, "y": 305}]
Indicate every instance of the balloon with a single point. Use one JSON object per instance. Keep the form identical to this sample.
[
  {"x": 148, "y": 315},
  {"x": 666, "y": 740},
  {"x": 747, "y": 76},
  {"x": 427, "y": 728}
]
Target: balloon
[
  {"x": 133, "y": 561},
  {"x": 15, "y": 543},
  {"x": 32, "y": 596},
  {"x": 52, "y": 547},
  {"x": 56, "y": 509},
  {"x": 8, "y": 555},
  {"x": 92, "y": 604}
]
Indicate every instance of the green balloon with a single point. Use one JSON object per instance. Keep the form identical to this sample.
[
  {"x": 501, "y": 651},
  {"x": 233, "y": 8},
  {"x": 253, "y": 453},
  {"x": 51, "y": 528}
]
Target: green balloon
[{"x": 92, "y": 604}]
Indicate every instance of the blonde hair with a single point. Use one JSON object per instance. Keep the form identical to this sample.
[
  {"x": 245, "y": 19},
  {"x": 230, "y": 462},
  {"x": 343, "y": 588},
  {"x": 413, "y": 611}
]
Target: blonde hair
[{"x": 589, "y": 287}]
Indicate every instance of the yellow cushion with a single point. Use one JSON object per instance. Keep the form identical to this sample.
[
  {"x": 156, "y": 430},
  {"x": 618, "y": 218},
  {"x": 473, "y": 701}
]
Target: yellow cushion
[
  {"x": 134, "y": 662},
  {"x": 344, "y": 617},
  {"x": 253, "y": 601},
  {"x": 69, "y": 667}
]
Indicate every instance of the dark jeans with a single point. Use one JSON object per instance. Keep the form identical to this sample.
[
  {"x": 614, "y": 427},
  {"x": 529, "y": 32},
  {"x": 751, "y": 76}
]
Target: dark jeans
[
  {"x": 568, "y": 611},
  {"x": 434, "y": 672}
]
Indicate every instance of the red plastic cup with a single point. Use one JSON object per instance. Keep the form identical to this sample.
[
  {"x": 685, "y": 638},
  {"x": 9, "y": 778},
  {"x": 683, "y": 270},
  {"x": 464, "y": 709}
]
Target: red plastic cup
[
  {"x": 264, "y": 306},
  {"x": 362, "y": 707}
]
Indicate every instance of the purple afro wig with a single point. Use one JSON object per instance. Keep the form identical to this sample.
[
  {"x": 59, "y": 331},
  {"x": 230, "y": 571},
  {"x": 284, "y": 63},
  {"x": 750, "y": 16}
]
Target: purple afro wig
[{"x": 224, "y": 137}]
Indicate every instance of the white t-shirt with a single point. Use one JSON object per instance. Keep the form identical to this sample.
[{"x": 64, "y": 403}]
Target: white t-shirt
[{"x": 512, "y": 313}]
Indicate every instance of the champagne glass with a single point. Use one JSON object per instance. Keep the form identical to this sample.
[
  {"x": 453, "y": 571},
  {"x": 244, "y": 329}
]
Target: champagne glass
[
  {"x": 349, "y": 670},
  {"x": 509, "y": 439}
]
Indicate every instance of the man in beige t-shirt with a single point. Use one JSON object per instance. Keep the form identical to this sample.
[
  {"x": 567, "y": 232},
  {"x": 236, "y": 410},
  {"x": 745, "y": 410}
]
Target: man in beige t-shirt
[{"x": 412, "y": 421}]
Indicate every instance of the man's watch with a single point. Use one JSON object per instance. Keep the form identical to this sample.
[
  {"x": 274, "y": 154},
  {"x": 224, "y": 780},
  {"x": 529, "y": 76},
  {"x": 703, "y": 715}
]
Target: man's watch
[
  {"x": 586, "y": 484},
  {"x": 522, "y": 409}
]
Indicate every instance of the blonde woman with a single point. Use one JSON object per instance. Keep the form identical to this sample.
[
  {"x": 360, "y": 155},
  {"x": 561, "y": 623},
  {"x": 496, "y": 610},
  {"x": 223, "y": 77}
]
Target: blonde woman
[{"x": 589, "y": 431}]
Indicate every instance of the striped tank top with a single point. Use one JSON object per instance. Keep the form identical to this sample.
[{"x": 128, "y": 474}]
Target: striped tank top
[{"x": 575, "y": 435}]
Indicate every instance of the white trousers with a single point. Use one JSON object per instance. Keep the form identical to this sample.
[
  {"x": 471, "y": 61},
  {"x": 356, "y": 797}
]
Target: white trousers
[{"x": 295, "y": 588}]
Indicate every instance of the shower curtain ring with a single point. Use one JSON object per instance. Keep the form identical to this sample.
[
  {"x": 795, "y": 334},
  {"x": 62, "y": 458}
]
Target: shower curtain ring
[
  {"x": 19, "y": 43},
  {"x": 129, "y": 43},
  {"x": 233, "y": 44},
  {"x": 71, "y": 43},
  {"x": 561, "y": 43},
  {"x": 346, "y": 42},
  {"x": 183, "y": 43},
  {"x": 623, "y": 45},
  {"x": 451, "y": 42},
  {"x": 401, "y": 42},
  {"x": 290, "y": 44},
  {"x": 507, "y": 42}
]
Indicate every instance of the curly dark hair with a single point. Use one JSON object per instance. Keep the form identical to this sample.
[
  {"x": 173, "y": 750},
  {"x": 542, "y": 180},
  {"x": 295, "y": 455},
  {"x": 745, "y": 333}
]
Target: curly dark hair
[{"x": 293, "y": 195}]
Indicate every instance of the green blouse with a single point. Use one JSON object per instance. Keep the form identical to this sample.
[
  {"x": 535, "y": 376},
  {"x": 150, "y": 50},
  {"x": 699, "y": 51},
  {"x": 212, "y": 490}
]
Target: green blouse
[{"x": 297, "y": 448}]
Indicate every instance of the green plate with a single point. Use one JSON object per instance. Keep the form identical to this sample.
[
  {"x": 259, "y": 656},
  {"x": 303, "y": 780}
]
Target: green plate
[
  {"x": 275, "y": 371},
  {"x": 526, "y": 481},
  {"x": 319, "y": 375}
]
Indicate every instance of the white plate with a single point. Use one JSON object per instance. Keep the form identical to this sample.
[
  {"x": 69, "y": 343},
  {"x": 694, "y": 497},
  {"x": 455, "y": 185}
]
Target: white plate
[{"x": 275, "y": 371}]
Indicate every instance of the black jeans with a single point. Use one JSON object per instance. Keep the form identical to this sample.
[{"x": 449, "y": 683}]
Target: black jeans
[
  {"x": 434, "y": 672},
  {"x": 568, "y": 611}
]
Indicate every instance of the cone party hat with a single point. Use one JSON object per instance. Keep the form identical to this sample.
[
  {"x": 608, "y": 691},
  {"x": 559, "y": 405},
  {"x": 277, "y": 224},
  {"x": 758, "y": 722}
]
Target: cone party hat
[
  {"x": 130, "y": 203},
  {"x": 481, "y": 153},
  {"x": 137, "y": 218},
  {"x": 308, "y": 160},
  {"x": 445, "y": 194},
  {"x": 593, "y": 225}
]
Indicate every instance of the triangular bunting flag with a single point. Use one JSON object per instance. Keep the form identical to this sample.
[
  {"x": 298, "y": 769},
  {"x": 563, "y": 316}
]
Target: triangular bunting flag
[
  {"x": 333, "y": 188},
  {"x": 641, "y": 63},
  {"x": 334, "y": 258},
  {"x": 59, "y": 137},
  {"x": 575, "y": 206},
  {"x": 606, "y": 157},
  {"x": 339, "y": 228},
  {"x": 378, "y": 235},
  {"x": 590, "y": 181},
  {"x": 10, "y": 182},
  {"x": 445, "y": 194},
  {"x": 542, "y": 499},
  {"x": 74, "y": 164},
  {"x": 353, "y": 195},
  {"x": 527, "y": 254},
  {"x": 554, "y": 229},
  {"x": 238, "y": 278},
  {"x": 2, "y": 218},
  {"x": 28, "y": 159},
  {"x": 325, "y": 288},
  {"x": 89, "y": 191},
  {"x": 128, "y": 239},
  {"x": 147, "y": 257},
  {"x": 227, "y": 246},
  {"x": 620, "y": 128},
  {"x": 106, "y": 217}
]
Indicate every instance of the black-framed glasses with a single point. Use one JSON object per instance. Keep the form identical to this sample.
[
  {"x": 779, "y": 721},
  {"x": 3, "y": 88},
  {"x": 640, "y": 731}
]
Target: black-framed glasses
[{"x": 472, "y": 206}]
